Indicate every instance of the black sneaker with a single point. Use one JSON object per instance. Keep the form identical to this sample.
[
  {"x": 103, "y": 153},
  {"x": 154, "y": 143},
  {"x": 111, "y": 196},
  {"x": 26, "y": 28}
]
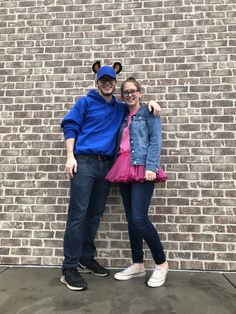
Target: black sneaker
[
  {"x": 93, "y": 268},
  {"x": 73, "y": 279}
]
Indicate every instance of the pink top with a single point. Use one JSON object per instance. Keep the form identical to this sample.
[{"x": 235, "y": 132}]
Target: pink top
[
  {"x": 125, "y": 139},
  {"x": 123, "y": 170}
]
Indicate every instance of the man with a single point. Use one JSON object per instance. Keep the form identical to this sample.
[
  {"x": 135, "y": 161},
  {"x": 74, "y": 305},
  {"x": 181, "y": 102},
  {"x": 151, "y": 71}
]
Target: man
[{"x": 90, "y": 130}]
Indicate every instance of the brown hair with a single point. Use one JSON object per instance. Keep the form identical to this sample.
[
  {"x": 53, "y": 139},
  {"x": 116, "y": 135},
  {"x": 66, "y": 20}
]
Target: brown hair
[{"x": 131, "y": 80}]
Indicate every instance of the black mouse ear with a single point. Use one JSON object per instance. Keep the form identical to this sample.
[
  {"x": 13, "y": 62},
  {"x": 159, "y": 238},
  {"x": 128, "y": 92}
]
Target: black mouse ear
[
  {"x": 117, "y": 67},
  {"x": 96, "y": 66}
]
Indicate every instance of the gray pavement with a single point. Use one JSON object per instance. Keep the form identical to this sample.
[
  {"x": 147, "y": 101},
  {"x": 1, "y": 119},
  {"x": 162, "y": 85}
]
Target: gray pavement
[{"x": 39, "y": 291}]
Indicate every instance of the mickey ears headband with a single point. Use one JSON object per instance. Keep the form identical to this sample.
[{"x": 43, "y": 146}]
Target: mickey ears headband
[{"x": 116, "y": 66}]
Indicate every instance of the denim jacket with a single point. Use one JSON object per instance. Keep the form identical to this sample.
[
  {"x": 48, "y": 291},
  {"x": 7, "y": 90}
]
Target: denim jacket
[{"x": 145, "y": 139}]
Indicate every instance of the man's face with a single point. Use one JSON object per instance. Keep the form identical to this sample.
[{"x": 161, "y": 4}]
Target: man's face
[{"x": 106, "y": 85}]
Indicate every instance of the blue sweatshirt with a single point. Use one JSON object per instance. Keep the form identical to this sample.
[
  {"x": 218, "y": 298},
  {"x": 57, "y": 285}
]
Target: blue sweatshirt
[{"x": 94, "y": 124}]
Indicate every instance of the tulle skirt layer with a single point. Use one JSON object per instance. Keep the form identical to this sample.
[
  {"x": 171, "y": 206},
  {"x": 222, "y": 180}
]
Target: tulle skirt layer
[{"x": 124, "y": 171}]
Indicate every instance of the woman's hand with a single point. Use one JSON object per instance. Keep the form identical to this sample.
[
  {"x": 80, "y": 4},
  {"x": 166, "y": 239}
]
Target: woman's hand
[
  {"x": 150, "y": 175},
  {"x": 153, "y": 106},
  {"x": 71, "y": 166}
]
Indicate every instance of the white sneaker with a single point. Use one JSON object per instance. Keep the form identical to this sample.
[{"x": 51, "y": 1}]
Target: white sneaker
[
  {"x": 158, "y": 277},
  {"x": 129, "y": 273}
]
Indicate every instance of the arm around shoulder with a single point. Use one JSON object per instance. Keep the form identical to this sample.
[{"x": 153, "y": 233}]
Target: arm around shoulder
[{"x": 154, "y": 107}]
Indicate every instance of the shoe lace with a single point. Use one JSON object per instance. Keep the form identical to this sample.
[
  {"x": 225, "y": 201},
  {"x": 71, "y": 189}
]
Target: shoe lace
[
  {"x": 127, "y": 270},
  {"x": 159, "y": 273},
  {"x": 73, "y": 272}
]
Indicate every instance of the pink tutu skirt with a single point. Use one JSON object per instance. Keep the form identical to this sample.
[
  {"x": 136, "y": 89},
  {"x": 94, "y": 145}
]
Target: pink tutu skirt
[{"x": 124, "y": 171}]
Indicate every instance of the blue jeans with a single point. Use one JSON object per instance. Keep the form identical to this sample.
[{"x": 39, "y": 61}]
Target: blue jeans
[
  {"x": 136, "y": 197},
  {"x": 88, "y": 195}
]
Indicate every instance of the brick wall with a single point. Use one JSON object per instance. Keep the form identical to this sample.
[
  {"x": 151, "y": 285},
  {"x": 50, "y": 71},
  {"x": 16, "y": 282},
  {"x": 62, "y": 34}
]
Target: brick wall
[{"x": 183, "y": 51}]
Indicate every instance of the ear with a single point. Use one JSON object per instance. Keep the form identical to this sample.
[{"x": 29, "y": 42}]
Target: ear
[
  {"x": 117, "y": 67},
  {"x": 96, "y": 66}
]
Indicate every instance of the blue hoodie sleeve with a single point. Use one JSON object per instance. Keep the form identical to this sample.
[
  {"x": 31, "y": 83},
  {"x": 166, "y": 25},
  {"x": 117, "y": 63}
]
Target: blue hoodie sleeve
[{"x": 71, "y": 123}]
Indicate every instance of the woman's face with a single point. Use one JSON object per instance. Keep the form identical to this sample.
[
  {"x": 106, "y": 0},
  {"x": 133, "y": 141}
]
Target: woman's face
[{"x": 131, "y": 95}]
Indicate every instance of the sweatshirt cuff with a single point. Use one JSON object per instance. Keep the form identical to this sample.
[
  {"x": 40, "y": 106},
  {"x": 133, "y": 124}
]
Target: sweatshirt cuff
[{"x": 70, "y": 135}]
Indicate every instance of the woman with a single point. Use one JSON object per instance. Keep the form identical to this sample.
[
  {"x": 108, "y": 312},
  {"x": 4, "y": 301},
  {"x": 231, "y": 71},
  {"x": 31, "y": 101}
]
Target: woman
[{"x": 136, "y": 167}]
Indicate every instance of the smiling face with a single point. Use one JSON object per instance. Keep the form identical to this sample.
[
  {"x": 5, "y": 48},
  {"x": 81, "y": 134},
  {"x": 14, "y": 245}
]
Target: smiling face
[
  {"x": 106, "y": 86},
  {"x": 131, "y": 94}
]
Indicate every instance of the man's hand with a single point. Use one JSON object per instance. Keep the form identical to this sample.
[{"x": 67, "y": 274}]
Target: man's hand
[
  {"x": 71, "y": 166},
  {"x": 153, "y": 106},
  {"x": 150, "y": 175}
]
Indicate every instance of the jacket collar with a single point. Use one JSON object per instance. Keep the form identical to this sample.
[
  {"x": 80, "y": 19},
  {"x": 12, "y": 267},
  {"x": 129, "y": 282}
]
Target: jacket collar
[{"x": 140, "y": 111}]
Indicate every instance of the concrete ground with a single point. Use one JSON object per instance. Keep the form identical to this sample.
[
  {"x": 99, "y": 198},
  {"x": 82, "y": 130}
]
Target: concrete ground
[{"x": 39, "y": 291}]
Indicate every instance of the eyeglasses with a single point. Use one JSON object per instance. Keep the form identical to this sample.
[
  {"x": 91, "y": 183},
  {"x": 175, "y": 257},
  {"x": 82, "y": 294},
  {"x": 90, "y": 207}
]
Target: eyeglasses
[
  {"x": 131, "y": 92},
  {"x": 103, "y": 81}
]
